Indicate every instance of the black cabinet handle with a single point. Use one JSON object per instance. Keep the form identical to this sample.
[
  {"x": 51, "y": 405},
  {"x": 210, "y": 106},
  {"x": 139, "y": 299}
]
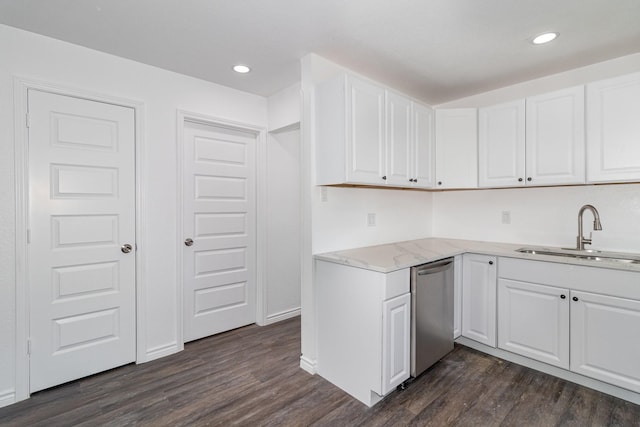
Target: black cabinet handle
[
  {"x": 519, "y": 179},
  {"x": 384, "y": 177},
  {"x": 529, "y": 179},
  {"x": 490, "y": 262},
  {"x": 439, "y": 182},
  {"x": 563, "y": 296},
  {"x": 575, "y": 298}
]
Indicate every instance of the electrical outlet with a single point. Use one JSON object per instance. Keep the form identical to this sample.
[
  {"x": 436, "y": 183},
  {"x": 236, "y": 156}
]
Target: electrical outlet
[
  {"x": 324, "y": 196},
  {"x": 506, "y": 217},
  {"x": 371, "y": 219}
]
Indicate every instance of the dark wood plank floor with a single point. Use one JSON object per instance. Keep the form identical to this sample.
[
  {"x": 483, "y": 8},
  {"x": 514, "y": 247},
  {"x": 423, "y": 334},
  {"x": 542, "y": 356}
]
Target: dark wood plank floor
[{"x": 251, "y": 377}]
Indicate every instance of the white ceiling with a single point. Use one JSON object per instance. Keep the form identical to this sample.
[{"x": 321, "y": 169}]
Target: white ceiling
[{"x": 435, "y": 50}]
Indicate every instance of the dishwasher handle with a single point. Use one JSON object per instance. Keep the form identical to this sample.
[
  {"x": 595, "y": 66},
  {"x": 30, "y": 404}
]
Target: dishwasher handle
[{"x": 435, "y": 267}]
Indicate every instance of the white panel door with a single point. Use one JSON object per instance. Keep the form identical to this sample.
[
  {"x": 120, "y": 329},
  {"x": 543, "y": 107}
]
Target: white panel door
[
  {"x": 219, "y": 217},
  {"x": 398, "y": 140},
  {"x": 396, "y": 329},
  {"x": 604, "y": 339},
  {"x": 501, "y": 145},
  {"x": 366, "y": 132},
  {"x": 613, "y": 129},
  {"x": 81, "y": 211},
  {"x": 555, "y": 150},
  {"x": 479, "y": 298},
  {"x": 533, "y": 321}
]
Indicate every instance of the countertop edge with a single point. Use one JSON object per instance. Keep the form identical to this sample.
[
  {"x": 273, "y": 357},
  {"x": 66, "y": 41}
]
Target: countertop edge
[{"x": 406, "y": 254}]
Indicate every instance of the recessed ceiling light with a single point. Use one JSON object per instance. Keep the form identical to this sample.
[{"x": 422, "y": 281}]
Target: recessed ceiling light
[
  {"x": 544, "y": 38},
  {"x": 242, "y": 69}
]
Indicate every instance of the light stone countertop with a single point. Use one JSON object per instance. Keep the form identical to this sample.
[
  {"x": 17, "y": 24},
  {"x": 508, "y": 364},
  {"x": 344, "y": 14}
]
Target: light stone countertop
[{"x": 397, "y": 256}]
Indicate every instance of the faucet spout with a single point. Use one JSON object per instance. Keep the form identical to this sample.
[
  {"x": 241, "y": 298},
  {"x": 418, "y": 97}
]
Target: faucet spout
[{"x": 597, "y": 226}]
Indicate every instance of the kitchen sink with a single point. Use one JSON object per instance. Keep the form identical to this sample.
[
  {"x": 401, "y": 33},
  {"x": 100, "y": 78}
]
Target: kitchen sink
[{"x": 588, "y": 254}]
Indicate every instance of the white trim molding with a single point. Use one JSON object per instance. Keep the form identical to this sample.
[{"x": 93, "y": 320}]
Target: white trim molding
[
  {"x": 311, "y": 366},
  {"x": 7, "y": 397},
  {"x": 283, "y": 315},
  {"x": 21, "y": 86}
]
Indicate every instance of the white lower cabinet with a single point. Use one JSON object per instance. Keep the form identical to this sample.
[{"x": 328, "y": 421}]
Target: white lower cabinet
[
  {"x": 457, "y": 296},
  {"x": 363, "y": 320},
  {"x": 534, "y": 321},
  {"x": 549, "y": 312},
  {"x": 396, "y": 316},
  {"x": 604, "y": 339},
  {"x": 479, "y": 298}
]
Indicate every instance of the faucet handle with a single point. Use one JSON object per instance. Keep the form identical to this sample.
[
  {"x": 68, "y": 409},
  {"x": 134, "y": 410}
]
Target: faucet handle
[{"x": 588, "y": 241}]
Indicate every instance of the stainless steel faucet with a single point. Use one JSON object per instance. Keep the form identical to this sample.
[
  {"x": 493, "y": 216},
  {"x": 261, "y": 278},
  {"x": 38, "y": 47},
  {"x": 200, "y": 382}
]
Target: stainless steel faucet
[{"x": 596, "y": 225}]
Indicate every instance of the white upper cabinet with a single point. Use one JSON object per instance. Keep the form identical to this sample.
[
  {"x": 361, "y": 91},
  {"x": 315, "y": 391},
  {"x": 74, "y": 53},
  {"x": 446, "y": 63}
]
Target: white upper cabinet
[
  {"x": 501, "y": 142},
  {"x": 350, "y": 132},
  {"x": 537, "y": 141},
  {"x": 555, "y": 147},
  {"x": 366, "y": 134},
  {"x": 423, "y": 159},
  {"x": 398, "y": 140},
  {"x": 613, "y": 129},
  {"x": 457, "y": 148}
]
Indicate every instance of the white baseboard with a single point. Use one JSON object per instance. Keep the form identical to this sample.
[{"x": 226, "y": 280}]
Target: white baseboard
[
  {"x": 162, "y": 351},
  {"x": 553, "y": 370},
  {"x": 308, "y": 365},
  {"x": 7, "y": 397},
  {"x": 283, "y": 315}
]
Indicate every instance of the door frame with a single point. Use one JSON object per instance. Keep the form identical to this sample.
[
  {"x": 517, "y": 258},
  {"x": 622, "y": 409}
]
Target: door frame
[
  {"x": 21, "y": 86},
  {"x": 184, "y": 116}
]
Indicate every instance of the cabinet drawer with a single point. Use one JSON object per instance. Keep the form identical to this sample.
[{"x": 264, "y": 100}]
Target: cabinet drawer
[
  {"x": 397, "y": 283},
  {"x": 620, "y": 283}
]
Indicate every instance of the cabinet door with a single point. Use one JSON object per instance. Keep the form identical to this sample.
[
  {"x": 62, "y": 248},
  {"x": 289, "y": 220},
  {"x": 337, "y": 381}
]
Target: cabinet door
[
  {"x": 555, "y": 138},
  {"x": 501, "y": 145},
  {"x": 366, "y": 132},
  {"x": 613, "y": 129},
  {"x": 479, "y": 298},
  {"x": 398, "y": 140},
  {"x": 457, "y": 148},
  {"x": 533, "y": 321},
  {"x": 604, "y": 339},
  {"x": 457, "y": 296},
  {"x": 396, "y": 325},
  {"x": 423, "y": 159}
]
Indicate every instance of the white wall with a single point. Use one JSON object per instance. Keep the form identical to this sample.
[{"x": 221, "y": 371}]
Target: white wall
[
  {"x": 283, "y": 225},
  {"x": 601, "y": 70},
  {"x": 542, "y": 216},
  {"x": 39, "y": 58},
  {"x": 341, "y": 221}
]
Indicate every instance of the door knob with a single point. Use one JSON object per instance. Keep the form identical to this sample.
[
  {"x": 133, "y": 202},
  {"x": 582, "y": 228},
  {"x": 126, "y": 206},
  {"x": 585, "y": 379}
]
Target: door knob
[
  {"x": 188, "y": 242},
  {"x": 126, "y": 248}
]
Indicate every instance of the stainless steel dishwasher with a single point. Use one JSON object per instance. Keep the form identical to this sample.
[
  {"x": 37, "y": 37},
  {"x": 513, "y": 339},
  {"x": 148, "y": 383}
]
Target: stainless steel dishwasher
[{"x": 431, "y": 313}]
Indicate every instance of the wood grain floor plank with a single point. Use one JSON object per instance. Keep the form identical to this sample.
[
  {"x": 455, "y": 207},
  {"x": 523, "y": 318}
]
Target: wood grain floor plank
[{"x": 251, "y": 377}]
